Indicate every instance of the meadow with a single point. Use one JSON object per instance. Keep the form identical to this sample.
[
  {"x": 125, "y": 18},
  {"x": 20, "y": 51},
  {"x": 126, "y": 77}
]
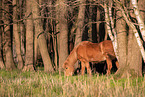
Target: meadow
[{"x": 40, "y": 84}]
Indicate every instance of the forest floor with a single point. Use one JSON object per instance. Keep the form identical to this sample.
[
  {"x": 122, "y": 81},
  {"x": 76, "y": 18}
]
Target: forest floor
[{"x": 40, "y": 84}]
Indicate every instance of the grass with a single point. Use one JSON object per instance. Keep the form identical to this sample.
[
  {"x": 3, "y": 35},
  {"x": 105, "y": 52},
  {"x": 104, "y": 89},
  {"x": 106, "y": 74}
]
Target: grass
[{"x": 40, "y": 84}]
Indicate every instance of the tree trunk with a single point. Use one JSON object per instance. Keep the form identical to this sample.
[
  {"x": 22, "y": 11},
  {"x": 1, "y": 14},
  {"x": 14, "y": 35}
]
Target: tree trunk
[
  {"x": 63, "y": 35},
  {"x": 29, "y": 38},
  {"x": 141, "y": 6},
  {"x": 1, "y": 60},
  {"x": 90, "y": 30},
  {"x": 1, "y": 31},
  {"x": 130, "y": 24},
  {"x": 134, "y": 56},
  {"x": 139, "y": 18},
  {"x": 80, "y": 22},
  {"x": 122, "y": 43},
  {"x": 8, "y": 36},
  {"x": 41, "y": 38},
  {"x": 108, "y": 20},
  {"x": 129, "y": 54},
  {"x": 17, "y": 36}
]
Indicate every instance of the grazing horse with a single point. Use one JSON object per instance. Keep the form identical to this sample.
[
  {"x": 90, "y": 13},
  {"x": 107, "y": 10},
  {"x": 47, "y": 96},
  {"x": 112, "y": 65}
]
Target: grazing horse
[{"x": 90, "y": 52}]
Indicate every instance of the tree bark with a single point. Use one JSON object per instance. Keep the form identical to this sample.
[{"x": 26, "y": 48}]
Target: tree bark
[
  {"x": 17, "y": 36},
  {"x": 41, "y": 38},
  {"x": 108, "y": 13},
  {"x": 29, "y": 38}
]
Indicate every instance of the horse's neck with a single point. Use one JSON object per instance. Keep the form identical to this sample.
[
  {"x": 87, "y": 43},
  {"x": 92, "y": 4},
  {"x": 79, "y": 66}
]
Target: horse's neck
[{"x": 72, "y": 58}]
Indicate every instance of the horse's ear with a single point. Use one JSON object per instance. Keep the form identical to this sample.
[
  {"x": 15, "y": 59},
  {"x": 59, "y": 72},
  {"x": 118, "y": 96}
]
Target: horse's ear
[{"x": 65, "y": 66}]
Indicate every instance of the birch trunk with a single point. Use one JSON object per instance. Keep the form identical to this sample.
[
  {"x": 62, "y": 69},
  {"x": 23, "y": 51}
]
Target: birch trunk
[
  {"x": 139, "y": 18},
  {"x": 108, "y": 27}
]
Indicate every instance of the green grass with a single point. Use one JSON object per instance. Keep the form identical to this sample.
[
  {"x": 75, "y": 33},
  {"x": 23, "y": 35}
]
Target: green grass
[{"x": 40, "y": 84}]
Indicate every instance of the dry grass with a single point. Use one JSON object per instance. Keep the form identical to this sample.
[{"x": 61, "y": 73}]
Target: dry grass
[{"x": 39, "y": 84}]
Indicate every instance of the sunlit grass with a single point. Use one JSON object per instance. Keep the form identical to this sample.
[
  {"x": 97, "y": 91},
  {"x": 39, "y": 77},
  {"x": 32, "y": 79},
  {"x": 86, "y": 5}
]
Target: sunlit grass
[{"x": 40, "y": 84}]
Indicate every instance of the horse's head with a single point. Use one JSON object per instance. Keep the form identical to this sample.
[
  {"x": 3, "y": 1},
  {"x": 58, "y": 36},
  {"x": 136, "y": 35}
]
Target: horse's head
[{"x": 68, "y": 69}]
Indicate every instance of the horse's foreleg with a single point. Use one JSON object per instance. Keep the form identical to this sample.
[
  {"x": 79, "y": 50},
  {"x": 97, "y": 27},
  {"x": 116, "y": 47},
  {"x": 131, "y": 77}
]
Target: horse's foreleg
[
  {"x": 109, "y": 65},
  {"x": 88, "y": 68},
  {"x": 82, "y": 68},
  {"x": 117, "y": 64}
]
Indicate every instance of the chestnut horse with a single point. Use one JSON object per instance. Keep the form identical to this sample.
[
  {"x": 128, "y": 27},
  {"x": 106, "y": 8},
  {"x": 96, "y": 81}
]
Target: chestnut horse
[{"x": 90, "y": 52}]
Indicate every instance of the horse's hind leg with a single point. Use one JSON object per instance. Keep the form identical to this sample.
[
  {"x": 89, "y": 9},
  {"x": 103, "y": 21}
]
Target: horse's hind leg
[
  {"x": 88, "y": 68},
  {"x": 109, "y": 65},
  {"x": 117, "y": 64}
]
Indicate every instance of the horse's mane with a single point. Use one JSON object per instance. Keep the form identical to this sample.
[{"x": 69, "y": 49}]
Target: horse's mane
[{"x": 72, "y": 58}]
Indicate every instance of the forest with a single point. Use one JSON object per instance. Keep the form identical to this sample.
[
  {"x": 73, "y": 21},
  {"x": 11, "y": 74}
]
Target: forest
[{"x": 38, "y": 34}]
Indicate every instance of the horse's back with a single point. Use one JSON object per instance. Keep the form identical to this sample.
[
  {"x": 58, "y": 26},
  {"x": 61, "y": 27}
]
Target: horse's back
[{"x": 89, "y": 51}]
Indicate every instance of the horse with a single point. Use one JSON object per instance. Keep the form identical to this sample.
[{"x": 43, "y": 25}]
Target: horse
[{"x": 90, "y": 52}]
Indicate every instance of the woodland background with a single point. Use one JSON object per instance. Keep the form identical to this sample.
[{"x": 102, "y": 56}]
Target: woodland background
[{"x": 35, "y": 33}]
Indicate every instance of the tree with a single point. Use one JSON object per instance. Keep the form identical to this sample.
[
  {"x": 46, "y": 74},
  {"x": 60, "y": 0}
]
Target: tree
[
  {"x": 29, "y": 38},
  {"x": 41, "y": 38},
  {"x": 80, "y": 22},
  {"x": 16, "y": 35},
  {"x": 127, "y": 47},
  {"x": 63, "y": 29},
  {"x": 1, "y": 30},
  {"x": 9, "y": 62},
  {"x": 139, "y": 18}
]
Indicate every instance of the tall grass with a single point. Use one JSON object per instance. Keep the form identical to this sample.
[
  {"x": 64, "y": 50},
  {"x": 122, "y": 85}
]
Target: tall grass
[{"x": 40, "y": 84}]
